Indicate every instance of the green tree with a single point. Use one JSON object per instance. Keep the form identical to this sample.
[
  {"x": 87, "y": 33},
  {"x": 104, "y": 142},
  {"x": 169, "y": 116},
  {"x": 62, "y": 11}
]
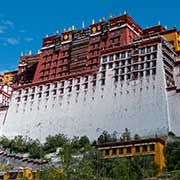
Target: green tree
[
  {"x": 53, "y": 142},
  {"x": 106, "y": 137},
  {"x": 51, "y": 174},
  {"x": 126, "y": 135},
  {"x": 35, "y": 149},
  {"x": 172, "y": 154},
  {"x": 19, "y": 144}
]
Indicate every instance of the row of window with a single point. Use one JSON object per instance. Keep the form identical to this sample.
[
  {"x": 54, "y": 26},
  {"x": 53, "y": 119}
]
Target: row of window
[
  {"x": 128, "y": 150},
  {"x": 126, "y": 58}
]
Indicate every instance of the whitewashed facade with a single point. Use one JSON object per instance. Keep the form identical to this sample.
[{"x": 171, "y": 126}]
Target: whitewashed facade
[{"x": 90, "y": 105}]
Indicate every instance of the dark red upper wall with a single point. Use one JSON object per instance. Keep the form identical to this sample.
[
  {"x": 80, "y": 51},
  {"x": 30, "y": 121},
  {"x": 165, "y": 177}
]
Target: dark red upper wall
[{"x": 78, "y": 52}]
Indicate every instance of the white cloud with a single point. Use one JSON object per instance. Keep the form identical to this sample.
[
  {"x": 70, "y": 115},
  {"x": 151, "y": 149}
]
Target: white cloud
[
  {"x": 22, "y": 31},
  {"x": 8, "y": 23},
  {"x": 29, "y": 39},
  {"x": 12, "y": 41},
  {"x": 2, "y": 29}
]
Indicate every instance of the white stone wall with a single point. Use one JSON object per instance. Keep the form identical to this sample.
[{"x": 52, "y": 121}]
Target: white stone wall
[
  {"x": 140, "y": 105},
  {"x": 174, "y": 111}
]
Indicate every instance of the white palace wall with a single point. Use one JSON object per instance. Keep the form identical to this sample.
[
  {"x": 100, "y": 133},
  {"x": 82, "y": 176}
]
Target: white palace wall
[{"x": 139, "y": 105}]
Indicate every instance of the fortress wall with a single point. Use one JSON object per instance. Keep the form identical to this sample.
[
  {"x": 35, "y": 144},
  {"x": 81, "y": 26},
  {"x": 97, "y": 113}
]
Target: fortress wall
[{"x": 139, "y": 105}]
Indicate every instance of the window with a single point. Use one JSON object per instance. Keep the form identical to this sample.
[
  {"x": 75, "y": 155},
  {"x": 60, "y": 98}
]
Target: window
[
  {"x": 141, "y": 66},
  {"x": 122, "y": 70},
  {"x": 94, "y": 83},
  {"x": 129, "y": 53},
  {"x": 141, "y": 74},
  {"x": 120, "y": 151},
  {"x": 86, "y": 86},
  {"x": 116, "y": 72},
  {"x": 148, "y": 57},
  {"x": 106, "y": 152},
  {"x": 62, "y": 84},
  {"x": 54, "y": 92},
  {"x": 55, "y": 85},
  {"x": 70, "y": 82},
  {"x": 32, "y": 96},
  {"x": 61, "y": 91},
  {"x": 148, "y": 49},
  {"x": 153, "y": 71},
  {"x": 18, "y": 99},
  {"x": 117, "y": 56},
  {"x": 154, "y": 55},
  {"x": 111, "y": 58},
  {"x": 78, "y": 80},
  {"x": 117, "y": 64},
  {"x": 86, "y": 78},
  {"x": 77, "y": 87},
  {"x": 142, "y": 58},
  {"x": 110, "y": 65},
  {"x": 116, "y": 79},
  {"x": 40, "y": 88},
  {"x": 155, "y": 48},
  {"x": 147, "y": 73},
  {"x": 19, "y": 92},
  {"x": 144, "y": 147},
  {"x": 128, "y": 77},
  {"x": 148, "y": 65},
  {"x": 47, "y": 93},
  {"x": 128, "y": 69},
  {"x": 153, "y": 63},
  {"x": 48, "y": 86},
  {"x": 113, "y": 151},
  {"x": 123, "y": 55},
  {"x": 152, "y": 147},
  {"x": 33, "y": 89},
  {"x": 122, "y": 63},
  {"x": 137, "y": 149},
  {"x": 102, "y": 82},
  {"x": 129, "y": 61},
  {"x": 39, "y": 95},
  {"x": 69, "y": 89},
  {"x": 142, "y": 50},
  {"x": 26, "y": 91},
  {"x": 128, "y": 150}
]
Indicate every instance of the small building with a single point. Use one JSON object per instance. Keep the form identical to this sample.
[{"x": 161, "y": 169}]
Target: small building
[
  {"x": 9, "y": 77},
  {"x": 153, "y": 147}
]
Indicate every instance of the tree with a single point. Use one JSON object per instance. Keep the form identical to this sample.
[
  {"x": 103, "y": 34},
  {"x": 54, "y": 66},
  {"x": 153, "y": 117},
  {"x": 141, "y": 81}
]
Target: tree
[
  {"x": 35, "y": 149},
  {"x": 53, "y": 142},
  {"x": 106, "y": 137},
  {"x": 51, "y": 174},
  {"x": 172, "y": 154},
  {"x": 83, "y": 141},
  {"x": 126, "y": 135}
]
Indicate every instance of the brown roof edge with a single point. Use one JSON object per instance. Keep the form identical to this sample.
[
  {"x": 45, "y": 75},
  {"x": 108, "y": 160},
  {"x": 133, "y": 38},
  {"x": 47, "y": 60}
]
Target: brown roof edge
[{"x": 141, "y": 141}]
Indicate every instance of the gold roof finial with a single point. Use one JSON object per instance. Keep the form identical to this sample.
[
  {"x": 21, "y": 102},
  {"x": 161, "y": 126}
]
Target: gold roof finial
[
  {"x": 110, "y": 17},
  {"x": 93, "y": 21},
  {"x": 83, "y": 25},
  {"x": 73, "y": 28},
  {"x": 30, "y": 53}
]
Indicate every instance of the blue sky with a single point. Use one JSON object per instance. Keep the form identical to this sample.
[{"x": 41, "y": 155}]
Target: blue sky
[{"x": 23, "y": 24}]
